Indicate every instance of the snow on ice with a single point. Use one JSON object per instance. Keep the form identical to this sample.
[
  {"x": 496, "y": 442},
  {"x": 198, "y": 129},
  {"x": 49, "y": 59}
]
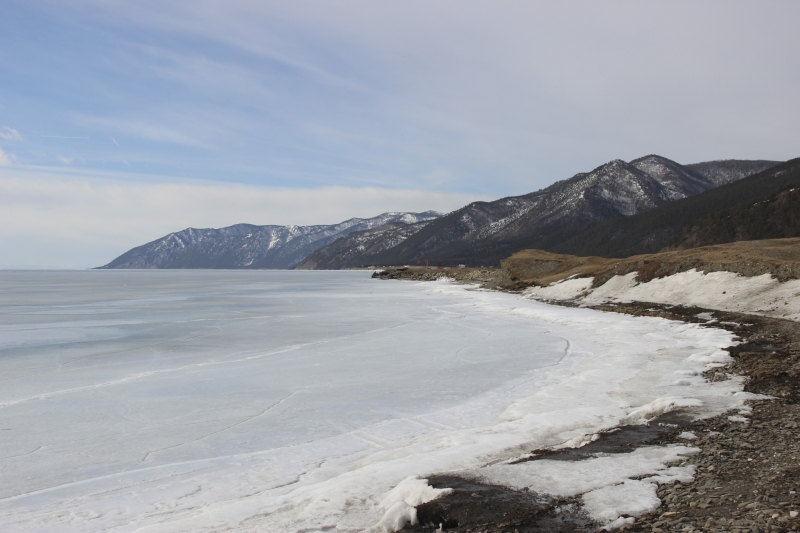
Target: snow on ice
[{"x": 297, "y": 401}]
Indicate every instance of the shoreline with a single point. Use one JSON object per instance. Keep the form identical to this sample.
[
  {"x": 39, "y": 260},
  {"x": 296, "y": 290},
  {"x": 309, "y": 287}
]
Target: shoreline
[{"x": 747, "y": 470}]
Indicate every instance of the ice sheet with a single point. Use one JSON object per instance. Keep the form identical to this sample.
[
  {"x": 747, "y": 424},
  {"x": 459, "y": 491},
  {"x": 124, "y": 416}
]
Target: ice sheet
[{"x": 288, "y": 401}]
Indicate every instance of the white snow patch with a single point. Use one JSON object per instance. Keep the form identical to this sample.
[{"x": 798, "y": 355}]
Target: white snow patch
[
  {"x": 760, "y": 295},
  {"x": 395, "y": 519},
  {"x": 563, "y": 290},
  {"x": 413, "y": 491},
  {"x": 618, "y": 523},
  {"x": 736, "y": 418},
  {"x": 658, "y": 407},
  {"x": 571, "y": 478},
  {"x": 401, "y": 504},
  {"x": 726, "y": 291},
  {"x": 609, "y": 493},
  {"x": 631, "y": 497},
  {"x": 578, "y": 442},
  {"x": 687, "y": 435},
  {"x": 611, "y": 289},
  {"x": 679, "y": 474}
]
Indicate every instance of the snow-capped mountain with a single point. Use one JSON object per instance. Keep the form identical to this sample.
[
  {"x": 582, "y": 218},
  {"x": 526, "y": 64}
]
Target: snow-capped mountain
[
  {"x": 484, "y": 232},
  {"x": 250, "y": 246},
  {"x": 354, "y": 247}
]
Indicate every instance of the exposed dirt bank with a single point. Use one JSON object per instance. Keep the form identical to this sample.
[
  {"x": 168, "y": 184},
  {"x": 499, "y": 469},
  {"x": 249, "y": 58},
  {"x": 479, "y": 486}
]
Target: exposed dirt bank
[{"x": 779, "y": 257}]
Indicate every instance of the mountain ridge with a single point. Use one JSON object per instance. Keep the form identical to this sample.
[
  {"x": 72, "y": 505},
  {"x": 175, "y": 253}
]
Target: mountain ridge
[
  {"x": 657, "y": 230},
  {"x": 478, "y": 233},
  {"x": 486, "y": 232},
  {"x": 249, "y": 245}
]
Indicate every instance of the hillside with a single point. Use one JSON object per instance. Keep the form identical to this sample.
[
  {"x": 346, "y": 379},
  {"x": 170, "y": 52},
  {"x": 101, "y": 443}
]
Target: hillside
[
  {"x": 656, "y": 230},
  {"x": 776, "y": 216},
  {"x": 486, "y": 232}
]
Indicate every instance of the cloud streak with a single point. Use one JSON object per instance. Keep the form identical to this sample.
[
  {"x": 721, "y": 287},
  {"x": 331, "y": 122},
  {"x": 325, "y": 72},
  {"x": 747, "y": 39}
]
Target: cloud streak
[
  {"x": 503, "y": 97},
  {"x": 150, "y": 130},
  {"x": 10, "y": 134}
]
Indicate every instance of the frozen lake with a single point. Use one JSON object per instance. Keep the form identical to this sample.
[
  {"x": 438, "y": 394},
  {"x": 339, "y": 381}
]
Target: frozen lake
[{"x": 281, "y": 401}]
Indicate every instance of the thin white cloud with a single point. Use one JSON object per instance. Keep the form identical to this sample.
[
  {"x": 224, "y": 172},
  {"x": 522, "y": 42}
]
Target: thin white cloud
[
  {"x": 6, "y": 160},
  {"x": 101, "y": 219},
  {"x": 144, "y": 129},
  {"x": 113, "y": 140},
  {"x": 529, "y": 92},
  {"x": 66, "y": 160},
  {"x": 82, "y": 137},
  {"x": 10, "y": 134}
]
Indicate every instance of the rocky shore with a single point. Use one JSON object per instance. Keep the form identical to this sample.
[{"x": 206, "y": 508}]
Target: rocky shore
[
  {"x": 487, "y": 277},
  {"x": 747, "y": 468}
]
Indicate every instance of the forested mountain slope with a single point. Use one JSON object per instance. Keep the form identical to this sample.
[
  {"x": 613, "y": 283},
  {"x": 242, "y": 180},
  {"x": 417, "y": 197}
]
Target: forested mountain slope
[
  {"x": 776, "y": 216},
  {"x": 663, "y": 227}
]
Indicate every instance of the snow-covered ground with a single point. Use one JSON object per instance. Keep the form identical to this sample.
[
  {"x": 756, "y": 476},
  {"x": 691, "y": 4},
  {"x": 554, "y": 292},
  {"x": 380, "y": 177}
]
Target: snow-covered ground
[
  {"x": 305, "y": 401},
  {"x": 726, "y": 291}
]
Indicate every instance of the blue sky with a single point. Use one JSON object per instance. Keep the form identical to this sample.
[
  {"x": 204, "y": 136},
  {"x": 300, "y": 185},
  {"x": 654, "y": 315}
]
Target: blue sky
[{"x": 123, "y": 121}]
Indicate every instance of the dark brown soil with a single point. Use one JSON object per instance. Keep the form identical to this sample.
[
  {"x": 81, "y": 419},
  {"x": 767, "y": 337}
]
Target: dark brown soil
[{"x": 474, "y": 506}]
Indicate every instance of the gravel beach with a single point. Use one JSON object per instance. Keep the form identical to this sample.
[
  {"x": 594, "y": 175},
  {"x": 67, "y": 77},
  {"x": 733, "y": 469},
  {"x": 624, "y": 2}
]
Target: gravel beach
[{"x": 747, "y": 471}]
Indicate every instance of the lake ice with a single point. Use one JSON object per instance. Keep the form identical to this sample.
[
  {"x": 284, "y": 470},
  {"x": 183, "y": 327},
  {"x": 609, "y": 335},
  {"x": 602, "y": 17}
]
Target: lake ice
[{"x": 287, "y": 401}]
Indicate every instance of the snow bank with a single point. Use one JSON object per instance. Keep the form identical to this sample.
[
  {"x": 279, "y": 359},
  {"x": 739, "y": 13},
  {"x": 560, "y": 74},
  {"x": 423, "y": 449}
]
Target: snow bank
[
  {"x": 726, "y": 291},
  {"x": 413, "y": 491},
  {"x": 401, "y": 502},
  {"x": 395, "y": 519},
  {"x": 659, "y": 406},
  {"x": 563, "y": 290},
  {"x": 631, "y": 497},
  {"x": 571, "y": 478}
]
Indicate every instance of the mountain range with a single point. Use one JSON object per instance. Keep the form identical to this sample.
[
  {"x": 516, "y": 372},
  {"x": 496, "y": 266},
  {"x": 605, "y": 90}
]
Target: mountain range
[
  {"x": 250, "y": 246},
  {"x": 481, "y": 233},
  {"x": 720, "y": 215}
]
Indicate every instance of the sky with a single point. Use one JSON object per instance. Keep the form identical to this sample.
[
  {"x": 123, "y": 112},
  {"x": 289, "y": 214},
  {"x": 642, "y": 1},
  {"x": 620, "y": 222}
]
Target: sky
[{"x": 121, "y": 122}]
